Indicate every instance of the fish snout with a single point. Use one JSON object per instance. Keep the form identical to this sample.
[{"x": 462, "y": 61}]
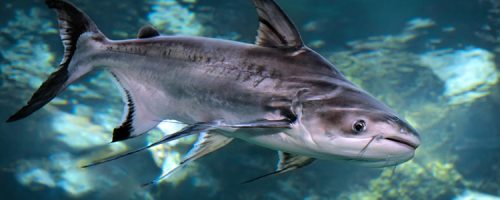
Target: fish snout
[
  {"x": 410, "y": 141},
  {"x": 410, "y": 130},
  {"x": 406, "y": 135}
]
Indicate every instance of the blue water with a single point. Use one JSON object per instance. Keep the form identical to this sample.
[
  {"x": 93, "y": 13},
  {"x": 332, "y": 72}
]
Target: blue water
[{"x": 435, "y": 62}]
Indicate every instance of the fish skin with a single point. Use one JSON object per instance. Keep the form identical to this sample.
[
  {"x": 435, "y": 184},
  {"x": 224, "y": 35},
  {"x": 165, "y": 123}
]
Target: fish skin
[
  {"x": 278, "y": 94},
  {"x": 252, "y": 76}
]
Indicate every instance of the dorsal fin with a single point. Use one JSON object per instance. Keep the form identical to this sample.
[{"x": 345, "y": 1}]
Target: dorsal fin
[
  {"x": 275, "y": 28},
  {"x": 147, "y": 31}
]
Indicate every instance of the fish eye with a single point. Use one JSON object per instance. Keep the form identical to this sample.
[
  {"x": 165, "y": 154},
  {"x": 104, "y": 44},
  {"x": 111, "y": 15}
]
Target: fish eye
[{"x": 359, "y": 126}]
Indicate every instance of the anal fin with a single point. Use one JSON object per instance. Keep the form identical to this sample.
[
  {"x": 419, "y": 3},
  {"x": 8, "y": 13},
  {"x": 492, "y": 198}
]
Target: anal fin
[
  {"x": 137, "y": 119},
  {"x": 124, "y": 131}
]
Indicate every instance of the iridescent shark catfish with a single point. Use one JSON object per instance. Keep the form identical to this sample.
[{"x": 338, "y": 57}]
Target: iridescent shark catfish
[{"x": 277, "y": 94}]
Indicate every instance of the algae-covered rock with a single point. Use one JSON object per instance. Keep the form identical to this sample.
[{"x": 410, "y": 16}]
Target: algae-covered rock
[
  {"x": 384, "y": 66},
  {"x": 432, "y": 180},
  {"x": 468, "y": 74},
  {"x": 171, "y": 17}
]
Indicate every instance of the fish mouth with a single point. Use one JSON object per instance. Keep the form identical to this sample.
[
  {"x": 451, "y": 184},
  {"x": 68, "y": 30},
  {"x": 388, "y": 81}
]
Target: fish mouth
[{"x": 403, "y": 141}]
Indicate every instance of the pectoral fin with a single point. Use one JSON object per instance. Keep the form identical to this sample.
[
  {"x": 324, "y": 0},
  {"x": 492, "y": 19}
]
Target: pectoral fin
[
  {"x": 283, "y": 123},
  {"x": 212, "y": 143},
  {"x": 200, "y": 128},
  {"x": 287, "y": 162}
]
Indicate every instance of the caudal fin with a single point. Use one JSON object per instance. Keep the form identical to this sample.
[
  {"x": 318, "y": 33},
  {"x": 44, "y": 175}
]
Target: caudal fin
[{"x": 72, "y": 24}]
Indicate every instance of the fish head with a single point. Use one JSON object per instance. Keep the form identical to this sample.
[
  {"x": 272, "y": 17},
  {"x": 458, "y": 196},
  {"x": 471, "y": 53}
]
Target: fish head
[{"x": 363, "y": 131}]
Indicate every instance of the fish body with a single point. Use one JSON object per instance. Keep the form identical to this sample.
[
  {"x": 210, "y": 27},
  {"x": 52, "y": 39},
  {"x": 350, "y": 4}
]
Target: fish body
[
  {"x": 221, "y": 79},
  {"x": 276, "y": 93}
]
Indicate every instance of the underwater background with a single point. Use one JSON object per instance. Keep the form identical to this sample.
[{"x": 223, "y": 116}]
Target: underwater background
[{"x": 433, "y": 61}]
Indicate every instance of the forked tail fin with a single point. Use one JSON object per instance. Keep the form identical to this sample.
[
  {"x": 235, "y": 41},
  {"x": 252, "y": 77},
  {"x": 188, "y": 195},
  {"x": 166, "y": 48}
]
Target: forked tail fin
[{"x": 72, "y": 24}]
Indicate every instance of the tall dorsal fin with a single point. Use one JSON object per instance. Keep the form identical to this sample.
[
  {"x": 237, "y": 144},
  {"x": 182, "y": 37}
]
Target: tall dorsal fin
[
  {"x": 275, "y": 28},
  {"x": 147, "y": 31}
]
